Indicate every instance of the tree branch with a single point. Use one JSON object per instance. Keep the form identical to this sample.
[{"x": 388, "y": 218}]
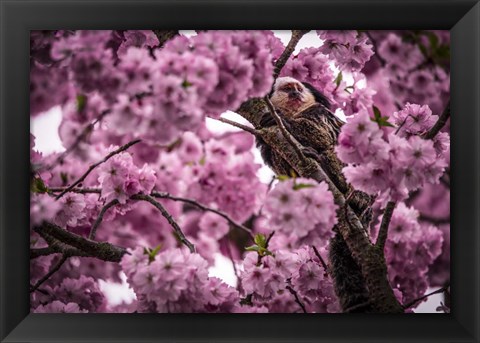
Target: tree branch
[
  {"x": 97, "y": 223},
  {"x": 297, "y": 298},
  {"x": 86, "y": 130},
  {"x": 289, "y": 49},
  {"x": 322, "y": 261},
  {"x": 169, "y": 218},
  {"x": 204, "y": 208},
  {"x": 442, "y": 120},
  {"x": 295, "y": 145},
  {"x": 165, "y": 35},
  {"x": 93, "y": 166},
  {"x": 375, "y": 47},
  {"x": 238, "y": 125},
  {"x": 101, "y": 250},
  {"x": 52, "y": 271},
  {"x": 164, "y": 195},
  {"x": 434, "y": 220},
  {"x": 383, "y": 232},
  {"x": 440, "y": 290}
]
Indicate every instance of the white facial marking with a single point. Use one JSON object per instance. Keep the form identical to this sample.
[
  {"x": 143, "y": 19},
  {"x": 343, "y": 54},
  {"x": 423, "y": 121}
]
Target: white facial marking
[{"x": 290, "y": 96}]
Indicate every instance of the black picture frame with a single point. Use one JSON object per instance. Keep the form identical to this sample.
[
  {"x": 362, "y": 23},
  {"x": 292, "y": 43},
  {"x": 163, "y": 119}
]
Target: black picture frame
[{"x": 17, "y": 17}]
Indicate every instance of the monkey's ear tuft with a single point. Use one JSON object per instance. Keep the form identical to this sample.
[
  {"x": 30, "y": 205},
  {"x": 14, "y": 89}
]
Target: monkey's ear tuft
[{"x": 319, "y": 97}]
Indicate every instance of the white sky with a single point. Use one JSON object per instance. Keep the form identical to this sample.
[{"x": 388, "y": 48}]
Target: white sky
[{"x": 45, "y": 128}]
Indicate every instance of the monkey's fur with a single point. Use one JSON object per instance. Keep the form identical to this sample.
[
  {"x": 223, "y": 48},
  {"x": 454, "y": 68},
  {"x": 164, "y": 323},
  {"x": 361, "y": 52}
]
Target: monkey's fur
[{"x": 304, "y": 110}]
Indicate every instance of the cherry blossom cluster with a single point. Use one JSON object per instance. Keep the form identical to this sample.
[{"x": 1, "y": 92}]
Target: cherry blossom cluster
[
  {"x": 416, "y": 69},
  {"x": 269, "y": 281},
  {"x": 389, "y": 165},
  {"x": 175, "y": 280},
  {"x": 78, "y": 295},
  {"x": 410, "y": 250},
  {"x": 349, "y": 49},
  {"x": 162, "y": 94},
  {"x": 120, "y": 178},
  {"x": 228, "y": 181},
  {"x": 302, "y": 210}
]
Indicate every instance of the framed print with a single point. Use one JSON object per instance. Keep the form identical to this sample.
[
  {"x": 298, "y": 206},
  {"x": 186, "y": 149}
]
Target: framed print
[{"x": 239, "y": 171}]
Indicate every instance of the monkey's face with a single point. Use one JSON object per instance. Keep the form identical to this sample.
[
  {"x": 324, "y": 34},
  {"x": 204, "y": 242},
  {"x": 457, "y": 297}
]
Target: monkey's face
[{"x": 291, "y": 97}]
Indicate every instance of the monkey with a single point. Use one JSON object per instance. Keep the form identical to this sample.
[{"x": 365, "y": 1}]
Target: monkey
[{"x": 307, "y": 115}]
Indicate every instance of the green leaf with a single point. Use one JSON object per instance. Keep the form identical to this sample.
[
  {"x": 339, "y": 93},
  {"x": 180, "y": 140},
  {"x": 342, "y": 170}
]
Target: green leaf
[
  {"x": 377, "y": 113},
  {"x": 261, "y": 240},
  {"x": 433, "y": 39},
  {"x": 152, "y": 252},
  {"x": 253, "y": 248},
  {"x": 283, "y": 178},
  {"x": 298, "y": 186},
  {"x": 423, "y": 49},
  {"x": 339, "y": 79},
  {"x": 64, "y": 177},
  {"x": 381, "y": 121},
  {"x": 81, "y": 102},
  {"x": 38, "y": 186},
  {"x": 186, "y": 84}
]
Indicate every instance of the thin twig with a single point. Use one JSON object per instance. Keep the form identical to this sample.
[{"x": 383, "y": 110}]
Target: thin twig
[
  {"x": 238, "y": 125},
  {"x": 235, "y": 269},
  {"x": 52, "y": 271},
  {"x": 382, "y": 61},
  {"x": 401, "y": 125},
  {"x": 164, "y": 195},
  {"x": 204, "y": 208},
  {"x": 168, "y": 217},
  {"x": 297, "y": 298},
  {"x": 86, "y": 130},
  {"x": 283, "y": 129},
  {"x": 93, "y": 166},
  {"x": 322, "y": 261},
  {"x": 413, "y": 302},
  {"x": 97, "y": 223},
  {"x": 434, "y": 220},
  {"x": 75, "y": 190},
  {"x": 442, "y": 120},
  {"x": 289, "y": 49},
  {"x": 383, "y": 232}
]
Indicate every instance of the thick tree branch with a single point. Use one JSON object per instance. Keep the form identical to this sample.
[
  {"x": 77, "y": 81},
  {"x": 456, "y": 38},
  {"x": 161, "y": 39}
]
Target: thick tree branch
[
  {"x": 101, "y": 250},
  {"x": 95, "y": 165},
  {"x": 168, "y": 217},
  {"x": 383, "y": 232},
  {"x": 442, "y": 120}
]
